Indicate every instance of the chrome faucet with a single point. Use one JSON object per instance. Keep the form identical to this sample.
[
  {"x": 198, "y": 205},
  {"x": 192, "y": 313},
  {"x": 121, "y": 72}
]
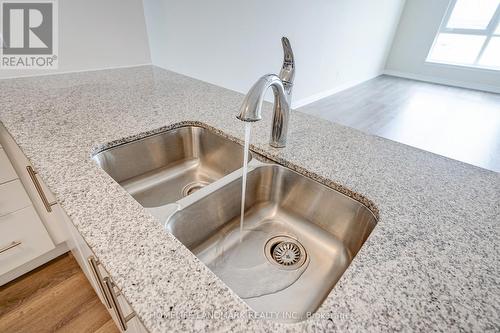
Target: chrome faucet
[{"x": 282, "y": 88}]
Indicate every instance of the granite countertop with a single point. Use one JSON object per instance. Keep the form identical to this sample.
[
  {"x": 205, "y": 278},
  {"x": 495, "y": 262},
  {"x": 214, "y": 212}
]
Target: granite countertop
[{"x": 431, "y": 263}]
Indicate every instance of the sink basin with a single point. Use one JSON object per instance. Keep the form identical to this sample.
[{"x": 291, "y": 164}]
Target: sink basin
[
  {"x": 163, "y": 168},
  {"x": 299, "y": 236}
]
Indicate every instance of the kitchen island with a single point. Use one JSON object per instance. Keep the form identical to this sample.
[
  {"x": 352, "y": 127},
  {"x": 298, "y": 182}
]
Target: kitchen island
[{"x": 431, "y": 263}]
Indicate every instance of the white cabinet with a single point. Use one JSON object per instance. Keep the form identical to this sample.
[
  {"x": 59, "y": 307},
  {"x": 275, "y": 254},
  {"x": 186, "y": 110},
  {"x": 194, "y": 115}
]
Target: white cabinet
[
  {"x": 13, "y": 197},
  {"x": 26, "y": 239},
  {"x": 7, "y": 172},
  {"x": 51, "y": 219},
  {"x": 22, "y": 238},
  {"x": 110, "y": 296}
]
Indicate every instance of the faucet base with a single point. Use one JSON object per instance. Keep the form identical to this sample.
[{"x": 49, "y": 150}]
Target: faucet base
[
  {"x": 248, "y": 120},
  {"x": 277, "y": 145}
]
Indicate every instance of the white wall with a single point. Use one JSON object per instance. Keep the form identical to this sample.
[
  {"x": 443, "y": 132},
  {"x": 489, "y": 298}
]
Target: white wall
[
  {"x": 95, "y": 34},
  {"x": 232, "y": 43},
  {"x": 417, "y": 29}
]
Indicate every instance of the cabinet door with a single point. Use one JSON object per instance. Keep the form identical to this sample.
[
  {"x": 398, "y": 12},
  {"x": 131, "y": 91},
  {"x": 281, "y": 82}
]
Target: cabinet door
[
  {"x": 82, "y": 252},
  {"x": 7, "y": 172},
  {"x": 22, "y": 238},
  {"x": 53, "y": 220},
  {"x": 96, "y": 276},
  {"x": 13, "y": 197}
]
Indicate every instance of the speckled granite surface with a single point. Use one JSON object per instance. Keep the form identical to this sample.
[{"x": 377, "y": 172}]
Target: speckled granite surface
[{"x": 432, "y": 262}]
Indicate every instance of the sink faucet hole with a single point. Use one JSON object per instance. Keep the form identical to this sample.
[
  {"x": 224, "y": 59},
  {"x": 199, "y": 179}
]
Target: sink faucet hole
[{"x": 285, "y": 252}]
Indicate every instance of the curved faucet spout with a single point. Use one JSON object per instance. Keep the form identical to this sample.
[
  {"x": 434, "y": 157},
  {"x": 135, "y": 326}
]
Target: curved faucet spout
[{"x": 251, "y": 109}]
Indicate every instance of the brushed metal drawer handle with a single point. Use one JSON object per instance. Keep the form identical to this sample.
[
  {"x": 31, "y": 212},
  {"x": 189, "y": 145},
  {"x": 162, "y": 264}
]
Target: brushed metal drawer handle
[
  {"x": 122, "y": 320},
  {"x": 93, "y": 262},
  {"x": 10, "y": 246},
  {"x": 48, "y": 205}
]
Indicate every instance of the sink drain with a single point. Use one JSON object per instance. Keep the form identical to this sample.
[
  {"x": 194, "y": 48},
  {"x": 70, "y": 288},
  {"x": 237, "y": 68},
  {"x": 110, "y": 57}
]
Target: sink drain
[
  {"x": 193, "y": 187},
  {"x": 285, "y": 252}
]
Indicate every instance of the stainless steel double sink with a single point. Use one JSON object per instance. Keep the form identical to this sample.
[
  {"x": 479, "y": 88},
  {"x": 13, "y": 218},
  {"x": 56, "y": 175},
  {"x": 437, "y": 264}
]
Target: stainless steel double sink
[{"x": 298, "y": 235}]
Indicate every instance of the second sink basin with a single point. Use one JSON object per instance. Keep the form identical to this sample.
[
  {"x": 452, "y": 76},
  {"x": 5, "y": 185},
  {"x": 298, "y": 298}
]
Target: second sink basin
[
  {"x": 163, "y": 168},
  {"x": 299, "y": 237}
]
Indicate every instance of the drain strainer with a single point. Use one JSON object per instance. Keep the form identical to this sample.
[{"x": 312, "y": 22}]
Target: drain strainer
[
  {"x": 285, "y": 252},
  {"x": 193, "y": 187}
]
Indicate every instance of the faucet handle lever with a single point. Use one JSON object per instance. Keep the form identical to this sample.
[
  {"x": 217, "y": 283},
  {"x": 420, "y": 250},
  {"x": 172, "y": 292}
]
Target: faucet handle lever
[{"x": 287, "y": 73}]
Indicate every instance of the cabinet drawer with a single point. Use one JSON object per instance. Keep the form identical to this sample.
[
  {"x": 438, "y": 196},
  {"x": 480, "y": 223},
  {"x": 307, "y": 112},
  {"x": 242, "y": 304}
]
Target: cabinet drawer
[
  {"x": 25, "y": 229},
  {"x": 13, "y": 197},
  {"x": 7, "y": 172}
]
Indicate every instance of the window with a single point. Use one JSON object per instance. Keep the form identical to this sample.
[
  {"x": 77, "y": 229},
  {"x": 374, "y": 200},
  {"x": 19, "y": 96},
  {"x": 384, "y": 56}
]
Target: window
[{"x": 469, "y": 35}]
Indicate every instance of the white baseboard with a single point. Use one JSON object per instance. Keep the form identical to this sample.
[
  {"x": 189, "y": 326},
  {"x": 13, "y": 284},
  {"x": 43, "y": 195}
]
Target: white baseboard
[
  {"x": 447, "y": 82},
  {"x": 316, "y": 97}
]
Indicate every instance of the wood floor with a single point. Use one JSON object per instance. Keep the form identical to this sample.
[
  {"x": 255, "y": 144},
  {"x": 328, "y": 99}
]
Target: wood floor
[
  {"x": 55, "y": 297},
  {"x": 458, "y": 123}
]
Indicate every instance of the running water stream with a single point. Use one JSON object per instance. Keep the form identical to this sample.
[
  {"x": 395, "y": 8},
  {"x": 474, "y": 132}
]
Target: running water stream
[
  {"x": 238, "y": 264},
  {"x": 248, "y": 128}
]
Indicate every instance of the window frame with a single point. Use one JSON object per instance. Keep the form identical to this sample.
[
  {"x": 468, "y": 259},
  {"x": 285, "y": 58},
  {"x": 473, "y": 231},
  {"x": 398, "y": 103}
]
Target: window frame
[{"x": 488, "y": 32}]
